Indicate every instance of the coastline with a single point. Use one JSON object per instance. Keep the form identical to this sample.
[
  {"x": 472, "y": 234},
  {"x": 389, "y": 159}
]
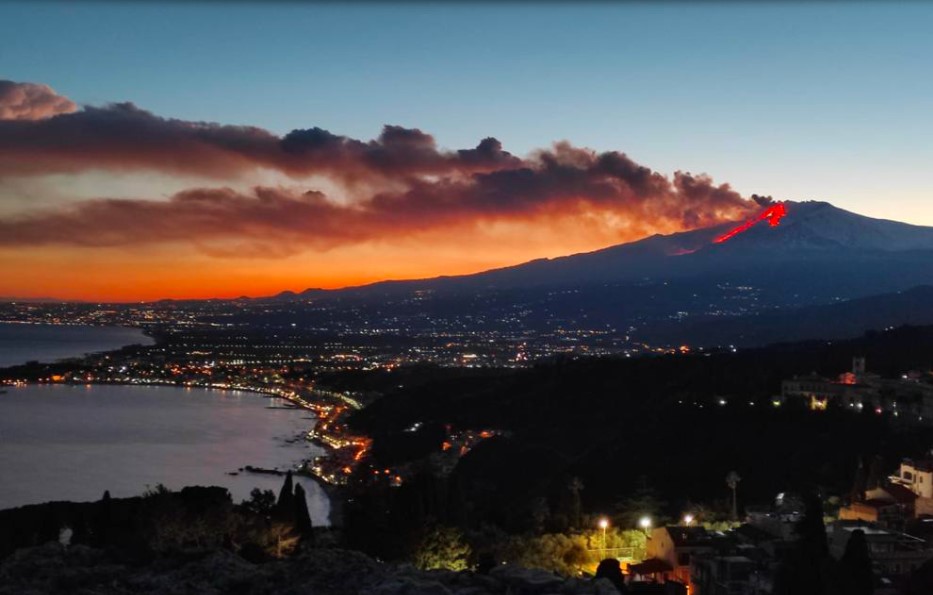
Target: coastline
[
  {"x": 332, "y": 491},
  {"x": 82, "y": 349},
  {"x": 57, "y": 371}
]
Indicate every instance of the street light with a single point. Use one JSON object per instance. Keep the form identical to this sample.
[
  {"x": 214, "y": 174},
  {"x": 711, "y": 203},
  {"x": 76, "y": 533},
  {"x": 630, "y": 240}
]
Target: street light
[
  {"x": 688, "y": 518},
  {"x": 645, "y": 523},
  {"x": 604, "y": 524}
]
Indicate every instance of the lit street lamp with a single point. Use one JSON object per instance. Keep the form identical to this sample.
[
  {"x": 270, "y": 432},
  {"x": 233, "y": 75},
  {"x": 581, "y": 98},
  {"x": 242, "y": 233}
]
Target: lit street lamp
[
  {"x": 604, "y": 524},
  {"x": 645, "y": 523},
  {"x": 688, "y": 519}
]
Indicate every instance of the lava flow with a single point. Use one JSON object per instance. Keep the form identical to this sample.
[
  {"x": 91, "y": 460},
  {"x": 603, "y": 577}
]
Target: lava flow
[{"x": 772, "y": 214}]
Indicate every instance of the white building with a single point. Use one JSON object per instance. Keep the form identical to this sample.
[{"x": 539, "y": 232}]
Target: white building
[{"x": 917, "y": 476}]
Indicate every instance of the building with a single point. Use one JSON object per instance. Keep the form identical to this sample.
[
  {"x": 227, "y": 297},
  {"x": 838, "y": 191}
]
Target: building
[
  {"x": 917, "y": 476},
  {"x": 892, "y": 553},
  {"x": 889, "y": 505},
  {"x": 883, "y": 513},
  {"x": 908, "y": 398},
  {"x": 675, "y": 546},
  {"x": 729, "y": 575}
]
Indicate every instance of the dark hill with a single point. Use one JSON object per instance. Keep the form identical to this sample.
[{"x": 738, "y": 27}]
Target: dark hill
[
  {"x": 840, "y": 320},
  {"x": 616, "y": 419},
  {"x": 662, "y": 289}
]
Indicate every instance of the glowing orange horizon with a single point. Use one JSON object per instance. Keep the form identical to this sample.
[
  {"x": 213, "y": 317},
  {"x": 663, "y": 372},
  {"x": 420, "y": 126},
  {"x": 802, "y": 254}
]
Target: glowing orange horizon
[{"x": 154, "y": 273}]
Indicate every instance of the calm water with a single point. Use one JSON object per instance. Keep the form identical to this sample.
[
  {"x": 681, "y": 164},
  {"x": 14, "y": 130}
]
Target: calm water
[
  {"x": 72, "y": 443},
  {"x": 20, "y": 343}
]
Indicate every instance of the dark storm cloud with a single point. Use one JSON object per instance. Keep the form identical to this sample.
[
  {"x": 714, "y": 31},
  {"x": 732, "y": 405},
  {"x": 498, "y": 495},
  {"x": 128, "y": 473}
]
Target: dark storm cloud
[
  {"x": 122, "y": 136},
  {"x": 550, "y": 185},
  {"x": 400, "y": 183}
]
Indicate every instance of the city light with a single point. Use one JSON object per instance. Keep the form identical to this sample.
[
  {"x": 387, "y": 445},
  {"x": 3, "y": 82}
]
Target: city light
[{"x": 688, "y": 519}]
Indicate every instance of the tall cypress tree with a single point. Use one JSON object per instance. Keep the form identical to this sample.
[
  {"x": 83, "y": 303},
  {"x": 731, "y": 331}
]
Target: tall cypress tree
[
  {"x": 804, "y": 571},
  {"x": 285, "y": 505},
  {"x": 302, "y": 516},
  {"x": 860, "y": 483},
  {"x": 876, "y": 474},
  {"x": 855, "y": 566}
]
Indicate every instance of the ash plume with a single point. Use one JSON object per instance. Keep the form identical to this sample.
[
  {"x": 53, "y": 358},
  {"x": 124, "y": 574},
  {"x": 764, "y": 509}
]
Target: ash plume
[{"x": 400, "y": 183}]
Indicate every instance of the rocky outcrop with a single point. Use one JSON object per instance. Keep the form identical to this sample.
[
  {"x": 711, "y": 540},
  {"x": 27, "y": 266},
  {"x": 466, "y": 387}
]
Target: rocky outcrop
[{"x": 54, "y": 569}]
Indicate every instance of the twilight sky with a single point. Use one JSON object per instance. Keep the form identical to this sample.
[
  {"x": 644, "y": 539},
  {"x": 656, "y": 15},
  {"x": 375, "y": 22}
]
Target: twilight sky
[{"x": 166, "y": 150}]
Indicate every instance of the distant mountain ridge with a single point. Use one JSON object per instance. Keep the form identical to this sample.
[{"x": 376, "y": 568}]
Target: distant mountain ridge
[
  {"x": 812, "y": 234},
  {"x": 766, "y": 284}
]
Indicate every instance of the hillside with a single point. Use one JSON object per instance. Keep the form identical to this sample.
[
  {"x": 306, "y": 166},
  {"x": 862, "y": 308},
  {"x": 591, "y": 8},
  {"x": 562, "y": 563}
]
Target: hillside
[
  {"x": 841, "y": 320},
  {"x": 660, "y": 290}
]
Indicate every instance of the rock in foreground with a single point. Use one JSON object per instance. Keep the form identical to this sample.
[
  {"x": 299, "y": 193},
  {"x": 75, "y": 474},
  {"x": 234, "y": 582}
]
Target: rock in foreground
[{"x": 80, "y": 570}]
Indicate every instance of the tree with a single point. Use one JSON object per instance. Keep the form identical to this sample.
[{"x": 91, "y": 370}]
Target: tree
[
  {"x": 876, "y": 474},
  {"x": 860, "y": 483},
  {"x": 855, "y": 572},
  {"x": 643, "y": 501},
  {"x": 557, "y": 552},
  {"x": 539, "y": 514},
  {"x": 811, "y": 531},
  {"x": 807, "y": 567},
  {"x": 575, "y": 507},
  {"x": 153, "y": 492},
  {"x": 285, "y": 506},
  {"x": 260, "y": 502},
  {"x": 732, "y": 480},
  {"x": 302, "y": 516},
  {"x": 283, "y": 539},
  {"x": 443, "y": 548}
]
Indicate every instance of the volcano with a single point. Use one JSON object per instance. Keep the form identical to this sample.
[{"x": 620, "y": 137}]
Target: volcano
[
  {"x": 813, "y": 254},
  {"x": 815, "y": 244}
]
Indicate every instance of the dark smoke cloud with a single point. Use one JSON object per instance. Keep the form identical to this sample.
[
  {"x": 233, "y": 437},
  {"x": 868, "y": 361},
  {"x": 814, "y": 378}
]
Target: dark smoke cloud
[
  {"x": 560, "y": 183},
  {"x": 30, "y": 101},
  {"x": 401, "y": 183},
  {"x": 124, "y": 137}
]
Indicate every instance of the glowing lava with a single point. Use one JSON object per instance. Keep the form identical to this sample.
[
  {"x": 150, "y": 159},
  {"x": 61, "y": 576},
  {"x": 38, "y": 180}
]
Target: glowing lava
[{"x": 772, "y": 214}]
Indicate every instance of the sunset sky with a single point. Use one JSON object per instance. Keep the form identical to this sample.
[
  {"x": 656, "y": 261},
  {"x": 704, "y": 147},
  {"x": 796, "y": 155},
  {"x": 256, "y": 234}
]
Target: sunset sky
[{"x": 163, "y": 150}]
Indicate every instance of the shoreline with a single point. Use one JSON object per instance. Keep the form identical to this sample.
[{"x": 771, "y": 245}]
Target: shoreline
[
  {"x": 332, "y": 491},
  {"x": 144, "y": 332}
]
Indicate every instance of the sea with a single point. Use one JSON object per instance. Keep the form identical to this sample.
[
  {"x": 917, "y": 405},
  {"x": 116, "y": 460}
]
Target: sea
[
  {"x": 62, "y": 442},
  {"x": 21, "y": 343}
]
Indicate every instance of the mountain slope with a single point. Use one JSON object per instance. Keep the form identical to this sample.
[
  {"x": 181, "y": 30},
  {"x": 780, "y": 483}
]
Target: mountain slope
[
  {"x": 668, "y": 289},
  {"x": 813, "y": 234},
  {"x": 841, "y": 320}
]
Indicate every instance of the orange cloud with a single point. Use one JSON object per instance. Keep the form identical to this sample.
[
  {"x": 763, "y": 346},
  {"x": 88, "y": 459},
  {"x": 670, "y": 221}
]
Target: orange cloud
[
  {"x": 398, "y": 192},
  {"x": 274, "y": 222},
  {"x": 30, "y": 101}
]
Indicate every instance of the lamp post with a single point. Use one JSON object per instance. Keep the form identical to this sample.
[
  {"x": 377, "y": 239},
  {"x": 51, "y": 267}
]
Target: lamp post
[
  {"x": 604, "y": 524},
  {"x": 688, "y": 519},
  {"x": 645, "y": 523}
]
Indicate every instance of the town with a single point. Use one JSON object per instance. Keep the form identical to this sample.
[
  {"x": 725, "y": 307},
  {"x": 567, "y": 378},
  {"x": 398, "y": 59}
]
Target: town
[{"x": 890, "y": 506}]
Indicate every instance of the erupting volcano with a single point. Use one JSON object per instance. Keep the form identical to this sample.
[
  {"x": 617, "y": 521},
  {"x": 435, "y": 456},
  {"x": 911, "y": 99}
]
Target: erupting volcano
[{"x": 772, "y": 214}]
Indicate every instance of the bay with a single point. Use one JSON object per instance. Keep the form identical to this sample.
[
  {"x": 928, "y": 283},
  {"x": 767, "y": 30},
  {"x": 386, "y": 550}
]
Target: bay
[
  {"x": 21, "y": 343},
  {"x": 60, "y": 442}
]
